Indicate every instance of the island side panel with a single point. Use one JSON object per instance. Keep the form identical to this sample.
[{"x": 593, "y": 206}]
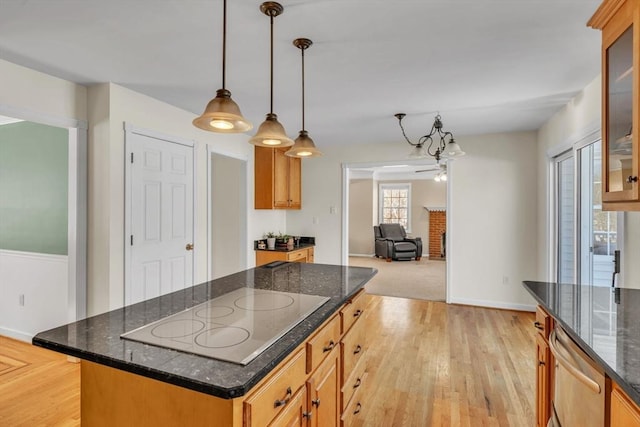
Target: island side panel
[{"x": 111, "y": 397}]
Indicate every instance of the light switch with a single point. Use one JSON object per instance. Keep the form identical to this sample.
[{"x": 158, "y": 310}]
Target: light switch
[{"x": 332, "y": 209}]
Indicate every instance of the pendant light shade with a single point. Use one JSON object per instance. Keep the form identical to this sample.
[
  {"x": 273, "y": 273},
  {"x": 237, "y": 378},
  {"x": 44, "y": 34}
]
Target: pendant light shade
[
  {"x": 222, "y": 114},
  {"x": 271, "y": 133},
  {"x": 304, "y": 145}
]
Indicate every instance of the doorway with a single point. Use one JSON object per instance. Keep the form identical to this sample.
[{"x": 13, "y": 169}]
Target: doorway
[
  {"x": 227, "y": 219},
  {"x": 363, "y": 187},
  {"x": 42, "y": 246}
]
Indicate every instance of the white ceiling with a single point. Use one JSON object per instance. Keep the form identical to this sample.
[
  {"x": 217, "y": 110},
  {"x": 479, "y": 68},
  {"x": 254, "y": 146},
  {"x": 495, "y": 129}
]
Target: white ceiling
[{"x": 485, "y": 65}]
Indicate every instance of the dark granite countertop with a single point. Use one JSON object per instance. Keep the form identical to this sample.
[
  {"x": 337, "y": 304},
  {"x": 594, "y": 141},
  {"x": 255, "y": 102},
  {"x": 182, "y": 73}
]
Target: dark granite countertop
[
  {"x": 97, "y": 338},
  {"x": 605, "y": 324}
]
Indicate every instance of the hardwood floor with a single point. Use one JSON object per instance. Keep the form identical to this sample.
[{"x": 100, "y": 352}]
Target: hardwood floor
[
  {"x": 430, "y": 364},
  {"x": 37, "y": 387}
]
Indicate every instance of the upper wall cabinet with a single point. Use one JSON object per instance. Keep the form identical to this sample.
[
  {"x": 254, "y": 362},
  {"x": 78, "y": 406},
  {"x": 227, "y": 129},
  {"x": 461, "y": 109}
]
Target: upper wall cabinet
[
  {"x": 278, "y": 179},
  {"x": 619, "y": 21}
]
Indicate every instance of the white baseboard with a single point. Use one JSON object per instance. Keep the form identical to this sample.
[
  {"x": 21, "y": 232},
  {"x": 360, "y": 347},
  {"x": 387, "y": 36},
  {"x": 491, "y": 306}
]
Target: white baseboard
[
  {"x": 363, "y": 255},
  {"x": 494, "y": 304},
  {"x": 20, "y": 336}
]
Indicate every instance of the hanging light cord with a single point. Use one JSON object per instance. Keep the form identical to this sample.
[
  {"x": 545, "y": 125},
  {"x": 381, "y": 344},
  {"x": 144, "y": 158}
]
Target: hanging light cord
[
  {"x": 303, "y": 49},
  {"x": 271, "y": 97},
  {"x": 224, "y": 43}
]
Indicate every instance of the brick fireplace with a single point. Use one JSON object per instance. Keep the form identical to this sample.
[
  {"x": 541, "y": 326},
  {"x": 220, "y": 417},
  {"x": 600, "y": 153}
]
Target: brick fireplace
[{"x": 437, "y": 226}]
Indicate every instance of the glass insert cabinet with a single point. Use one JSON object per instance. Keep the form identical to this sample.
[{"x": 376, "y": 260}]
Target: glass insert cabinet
[{"x": 619, "y": 21}]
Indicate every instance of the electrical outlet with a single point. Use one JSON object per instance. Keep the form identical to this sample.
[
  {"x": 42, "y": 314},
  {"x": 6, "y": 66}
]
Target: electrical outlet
[{"x": 21, "y": 299}]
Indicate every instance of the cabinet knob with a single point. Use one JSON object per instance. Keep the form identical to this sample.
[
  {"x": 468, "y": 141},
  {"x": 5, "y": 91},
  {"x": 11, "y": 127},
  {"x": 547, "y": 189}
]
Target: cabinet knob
[
  {"x": 315, "y": 402},
  {"x": 307, "y": 414},
  {"x": 632, "y": 179},
  {"x": 540, "y": 363}
]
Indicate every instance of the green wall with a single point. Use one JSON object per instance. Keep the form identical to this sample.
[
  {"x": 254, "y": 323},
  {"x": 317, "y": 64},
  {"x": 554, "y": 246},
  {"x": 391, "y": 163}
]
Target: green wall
[{"x": 33, "y": 188}]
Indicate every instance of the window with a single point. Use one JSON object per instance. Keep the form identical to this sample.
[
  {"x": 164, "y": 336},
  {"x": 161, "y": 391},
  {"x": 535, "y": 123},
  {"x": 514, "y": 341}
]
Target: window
[{"x": 394, "y": 202}]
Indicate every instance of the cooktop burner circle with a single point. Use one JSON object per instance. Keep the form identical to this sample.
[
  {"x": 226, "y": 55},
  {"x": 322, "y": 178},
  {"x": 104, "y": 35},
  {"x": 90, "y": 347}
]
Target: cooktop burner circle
[
  {"x": 177, "y": 328},
  {"x": 263, "y": 302},
  {"x": 222, "y": 337},
  {"x": 214, "y": 311}
]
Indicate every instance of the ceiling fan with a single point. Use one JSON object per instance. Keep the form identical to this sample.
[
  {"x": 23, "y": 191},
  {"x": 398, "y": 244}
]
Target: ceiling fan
[{"x": 441, "y": 175}]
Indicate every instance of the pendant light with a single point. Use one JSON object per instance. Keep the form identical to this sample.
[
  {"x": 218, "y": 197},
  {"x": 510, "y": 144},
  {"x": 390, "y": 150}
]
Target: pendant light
[
  {"x": 304, "y": 146},
  {"x": 222, "y": 114},
  {"x": 271, "y": 133}
]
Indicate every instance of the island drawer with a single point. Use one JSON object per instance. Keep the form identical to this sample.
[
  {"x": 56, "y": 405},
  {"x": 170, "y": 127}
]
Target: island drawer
[
  {"x": 354, "y": 382},
  {"x": 353, "y": 347},
  {"x": 355, "y": 407},
  {"x": 276, "y": 393},
  {"x": 322, "y": 343},
  {"x": 353, "y": 310}
]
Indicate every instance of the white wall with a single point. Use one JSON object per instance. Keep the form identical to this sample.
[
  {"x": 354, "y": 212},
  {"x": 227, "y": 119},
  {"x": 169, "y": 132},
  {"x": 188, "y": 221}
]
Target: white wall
[
  {"x": 361, "y": 210},
  {"x": 112, "y": 105},
  {"x": 508, "y": 194},
  {"x": 34, "y": 293}
]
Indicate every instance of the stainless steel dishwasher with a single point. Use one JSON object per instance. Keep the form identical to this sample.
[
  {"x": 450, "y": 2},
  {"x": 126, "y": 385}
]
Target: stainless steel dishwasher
[{"x": 579, "y": 389}]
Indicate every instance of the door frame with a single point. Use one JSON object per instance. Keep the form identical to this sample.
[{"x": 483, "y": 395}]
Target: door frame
[
  {"x": 244, "y": 158},
  {"x": 128, "y": 130},
  {"x": 76, "y": 203},
  {"x": 346, "y": 177}
]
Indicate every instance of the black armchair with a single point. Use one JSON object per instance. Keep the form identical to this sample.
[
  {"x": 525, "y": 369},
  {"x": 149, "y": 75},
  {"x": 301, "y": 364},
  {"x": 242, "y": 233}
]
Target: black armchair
[{"x": 392, "y": 243}]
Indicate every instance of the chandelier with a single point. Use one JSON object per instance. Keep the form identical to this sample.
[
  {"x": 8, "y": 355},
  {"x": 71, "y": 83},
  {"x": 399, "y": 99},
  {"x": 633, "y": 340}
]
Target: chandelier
[{"x": 438, "y": 143}]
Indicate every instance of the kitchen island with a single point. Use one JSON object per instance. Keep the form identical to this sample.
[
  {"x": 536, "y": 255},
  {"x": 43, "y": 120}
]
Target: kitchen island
[
  {"x": 604, "y": 322},
  {"x": 137, "y": 379}
]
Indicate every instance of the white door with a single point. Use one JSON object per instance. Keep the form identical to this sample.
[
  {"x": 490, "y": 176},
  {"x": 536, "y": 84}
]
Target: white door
[{"x": 160, "y": 185}]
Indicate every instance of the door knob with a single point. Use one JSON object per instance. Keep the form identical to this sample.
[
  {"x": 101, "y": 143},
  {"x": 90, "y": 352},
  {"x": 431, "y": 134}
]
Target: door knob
[{"x": 189, "y": 246}]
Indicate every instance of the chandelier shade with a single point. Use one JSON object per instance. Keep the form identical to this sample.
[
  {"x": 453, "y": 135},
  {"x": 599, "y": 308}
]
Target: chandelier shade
[{"x": 222, "y": 114}]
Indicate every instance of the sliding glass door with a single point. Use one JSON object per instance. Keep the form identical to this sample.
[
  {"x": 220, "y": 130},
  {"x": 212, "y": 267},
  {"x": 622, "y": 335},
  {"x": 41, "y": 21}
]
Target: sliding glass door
[{"x": 586, "y": 236}]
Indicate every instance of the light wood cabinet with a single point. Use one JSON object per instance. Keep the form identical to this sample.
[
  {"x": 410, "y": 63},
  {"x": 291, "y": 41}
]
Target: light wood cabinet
[
  {"x": 298, "y": 255},
  {"x": 278, "y": 179},
  {"x": 619, "y": 21},
  {"x": 544, "y": 367},
  {"x": 623, "y": 411}
]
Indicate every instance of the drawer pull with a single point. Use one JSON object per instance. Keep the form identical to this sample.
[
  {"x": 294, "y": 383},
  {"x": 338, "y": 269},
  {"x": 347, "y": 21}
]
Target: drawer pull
[
  {"x": 329, "y": 347},
  {"x": 358, "y": 349},
  {"x": 357, "y": 313},
  {"x": 357, "y": 384},
  {"x": 284, "y": 401},
  {"x": 358, "y": 407},
  {"x": 538, "y": 326},
  {"x": 315, "y": 402}
]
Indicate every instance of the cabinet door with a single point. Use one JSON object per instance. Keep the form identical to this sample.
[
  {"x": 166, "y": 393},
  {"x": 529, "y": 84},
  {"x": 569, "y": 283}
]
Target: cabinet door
[
  {"x": 323, "y": 393},
  {"x": 621, "y": 160},
  {"x": 295, "y": 183},
  {"x": 280, "y": 178},
  {"x": 543, "y": 395},
  {"x": 623, "y": 411}
]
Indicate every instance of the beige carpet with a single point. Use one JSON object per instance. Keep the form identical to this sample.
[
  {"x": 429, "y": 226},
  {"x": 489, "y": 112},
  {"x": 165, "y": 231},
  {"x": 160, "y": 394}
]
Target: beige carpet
[{"x": 424, "y": 279}]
